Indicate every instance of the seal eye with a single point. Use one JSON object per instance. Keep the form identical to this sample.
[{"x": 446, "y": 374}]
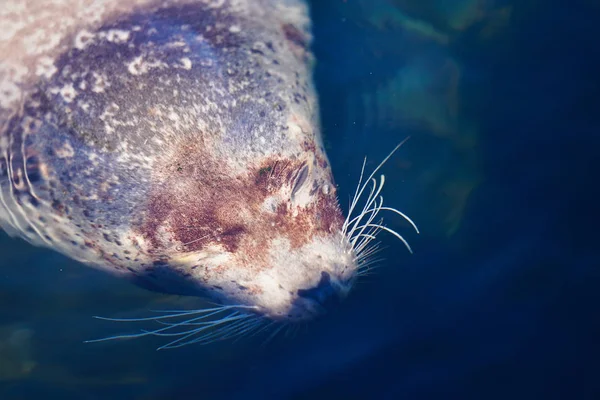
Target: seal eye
[{"x": 300, "y": 180}]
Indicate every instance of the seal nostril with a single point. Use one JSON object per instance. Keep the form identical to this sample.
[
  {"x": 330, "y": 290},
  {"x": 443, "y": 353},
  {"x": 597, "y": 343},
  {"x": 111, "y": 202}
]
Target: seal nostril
[{"x": 325, "y": 294}]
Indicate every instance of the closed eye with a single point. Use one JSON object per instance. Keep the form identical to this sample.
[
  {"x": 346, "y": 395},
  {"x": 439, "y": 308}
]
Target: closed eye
[{"x": 300, "y": 180}]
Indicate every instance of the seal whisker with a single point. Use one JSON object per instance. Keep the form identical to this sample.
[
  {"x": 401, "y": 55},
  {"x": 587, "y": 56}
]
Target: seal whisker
[
  {"x": 174, "y": 315},
  {"x": 367, "y": 236},
  {"x": 253, "y": 325},
  {"x": 369, "y": 208},
  {"x": 11, "y": 190},
  {"x": 393, "y": 232},
  {"x": 373, "y": 231},
  {"x": 272, "y": 335},
  {"x": 181, "y": 341},
  {"x": 361, "y": 228},
  {"x": 354, "y": 198},
  {"x": 224, "y": 333},
  {"x": 169, "y": 327},
  {"x": 370, "y": 265},
  {"x": 201, "y": 310},
  {"x": 368, "y": 261},
  {"x": 410, "y": 221},
  {"x": 196, "y": 240},
  {"x": 116, "y": 337},
  {"x": 194, "y": 323},
  {"x": 362, "y": 213},
  {"x": 292, "y": 331},
  {"x": 221, "y": 332},
  {"x": 367, "y": 251},
  {"x": 208, "y": 324},
  {"x": 377, "y": 209},
  {"x": 265, "y": 327},
  {"x": 363, "y": 187},
  {"x": 157, "y": 332},
  {"x": 356, "y": 220},
  {"x": 12, "y": 222}
]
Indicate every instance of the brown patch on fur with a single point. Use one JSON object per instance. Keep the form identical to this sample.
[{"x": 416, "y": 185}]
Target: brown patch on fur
[{"x": 198, "y": 201}]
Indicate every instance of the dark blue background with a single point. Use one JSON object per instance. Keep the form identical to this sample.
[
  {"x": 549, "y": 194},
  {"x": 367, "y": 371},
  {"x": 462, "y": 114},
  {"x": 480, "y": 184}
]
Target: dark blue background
[{"x": 500, "y": 299}]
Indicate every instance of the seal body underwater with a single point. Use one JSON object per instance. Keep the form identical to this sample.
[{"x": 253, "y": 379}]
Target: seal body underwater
[{"x": 177, "y": 144}]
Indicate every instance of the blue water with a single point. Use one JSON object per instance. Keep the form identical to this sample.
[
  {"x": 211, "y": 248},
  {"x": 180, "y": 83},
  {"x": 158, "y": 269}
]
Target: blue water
[{"x": 500, "y": 299}]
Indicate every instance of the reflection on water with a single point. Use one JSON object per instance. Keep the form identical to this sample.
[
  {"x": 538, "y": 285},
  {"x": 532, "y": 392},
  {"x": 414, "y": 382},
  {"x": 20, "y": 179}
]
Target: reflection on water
[{"x": 386, "y": 69}]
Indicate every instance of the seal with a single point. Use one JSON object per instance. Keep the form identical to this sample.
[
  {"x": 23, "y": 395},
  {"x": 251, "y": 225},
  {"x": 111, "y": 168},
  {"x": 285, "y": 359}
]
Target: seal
[{"x": 176, "y": 143}]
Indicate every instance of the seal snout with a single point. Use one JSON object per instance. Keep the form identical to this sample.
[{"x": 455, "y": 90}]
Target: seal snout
[{"x": 327, "y": 294}]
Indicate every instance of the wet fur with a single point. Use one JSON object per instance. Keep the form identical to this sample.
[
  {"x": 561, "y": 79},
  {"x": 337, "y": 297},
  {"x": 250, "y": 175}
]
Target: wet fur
[{"x": 177, "y": 144}]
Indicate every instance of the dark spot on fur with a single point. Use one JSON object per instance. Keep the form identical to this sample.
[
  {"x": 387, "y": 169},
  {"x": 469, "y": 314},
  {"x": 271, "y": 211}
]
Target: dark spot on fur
[
  {"x": 58, "y": 207},
  {"x": 3, "y": 167},
  {"x": 32, "y": 169},
  {"x": 33, "y": 201}
]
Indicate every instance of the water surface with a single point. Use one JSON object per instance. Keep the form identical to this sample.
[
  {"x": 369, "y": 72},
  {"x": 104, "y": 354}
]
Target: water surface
[{"x": 500, "y": 299}]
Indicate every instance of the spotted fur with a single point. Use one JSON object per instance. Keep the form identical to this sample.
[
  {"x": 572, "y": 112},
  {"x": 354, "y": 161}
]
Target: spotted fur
[{"x": 176, "y": 144}]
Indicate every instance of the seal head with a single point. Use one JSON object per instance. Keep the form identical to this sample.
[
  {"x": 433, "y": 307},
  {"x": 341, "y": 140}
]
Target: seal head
[{"x": 178, "y": 145}]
